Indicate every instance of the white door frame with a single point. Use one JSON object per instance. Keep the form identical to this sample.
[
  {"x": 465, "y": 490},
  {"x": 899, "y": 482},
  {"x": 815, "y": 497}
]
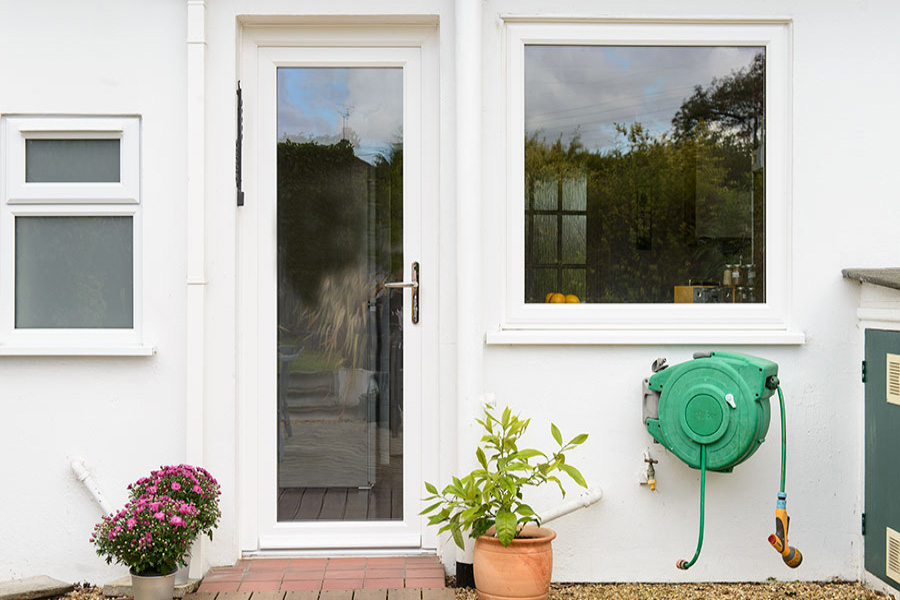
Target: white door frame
[{"x": 264, "y": 49}]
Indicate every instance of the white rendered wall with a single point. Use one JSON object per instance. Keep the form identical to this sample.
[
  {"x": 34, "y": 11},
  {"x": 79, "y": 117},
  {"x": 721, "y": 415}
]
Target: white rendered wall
[
  {"x": 124, "y": 416},
  {"x": 845, "y": 213}
]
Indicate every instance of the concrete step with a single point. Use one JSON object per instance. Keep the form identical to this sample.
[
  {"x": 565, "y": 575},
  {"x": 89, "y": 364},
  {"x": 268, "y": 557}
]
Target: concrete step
[{"x": 33, "y": 587}]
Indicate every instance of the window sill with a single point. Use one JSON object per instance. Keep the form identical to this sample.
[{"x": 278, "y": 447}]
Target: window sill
[
  {"x": 641, "y": 337},
  {"x": 138, "y": 350}
]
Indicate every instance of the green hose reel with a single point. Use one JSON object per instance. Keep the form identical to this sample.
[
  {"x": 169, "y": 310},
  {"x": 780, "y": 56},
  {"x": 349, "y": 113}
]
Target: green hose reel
[
  {"x": 713, "y": 413},
  {"x": 719, "y": 400}
]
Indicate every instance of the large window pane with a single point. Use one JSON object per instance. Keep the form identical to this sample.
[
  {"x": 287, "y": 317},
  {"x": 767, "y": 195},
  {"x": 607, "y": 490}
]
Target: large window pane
[
  {"x": 72, "y": 161},
  {"x": 650, "y": 163},
  {"x": 74, "y": 272}
]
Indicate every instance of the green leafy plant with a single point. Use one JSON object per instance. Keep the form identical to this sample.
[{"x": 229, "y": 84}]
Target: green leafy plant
[{"x": 492, "y": 494}]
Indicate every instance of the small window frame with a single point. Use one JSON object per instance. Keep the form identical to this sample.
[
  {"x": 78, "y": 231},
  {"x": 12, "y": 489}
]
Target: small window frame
[
  {"x": 28, "y": 199},
  {"x": 21, "y": 129},
  {"x": 767, "y": 322}
]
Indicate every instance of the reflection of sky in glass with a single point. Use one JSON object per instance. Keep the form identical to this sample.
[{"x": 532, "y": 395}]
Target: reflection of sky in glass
[
  {"x": 586, "y": 90},
  {"x": 365, "y": 105}
]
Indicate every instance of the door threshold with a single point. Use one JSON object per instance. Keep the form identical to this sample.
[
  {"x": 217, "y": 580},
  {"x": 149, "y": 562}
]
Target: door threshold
[{"x": 331, "y": 552}]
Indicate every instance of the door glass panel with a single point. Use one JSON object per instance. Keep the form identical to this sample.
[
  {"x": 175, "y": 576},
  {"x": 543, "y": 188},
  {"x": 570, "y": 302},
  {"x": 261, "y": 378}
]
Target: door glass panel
[{"x": 340, "y": 238}]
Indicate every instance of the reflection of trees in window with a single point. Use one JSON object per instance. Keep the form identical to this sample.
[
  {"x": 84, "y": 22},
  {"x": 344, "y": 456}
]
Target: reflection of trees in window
[
  {"x": 659, "y": 210},
  {"x": 340, "y": 236}
]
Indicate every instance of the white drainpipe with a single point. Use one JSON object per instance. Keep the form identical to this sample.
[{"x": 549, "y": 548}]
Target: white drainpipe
[
  {"x": 470, "y": 329},
  {"x": 85, "y": 477},
  {"x": 586, "y": 498}
]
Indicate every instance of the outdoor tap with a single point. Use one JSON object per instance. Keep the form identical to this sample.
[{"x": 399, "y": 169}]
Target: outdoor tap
[{"x": 651, "y": 472}]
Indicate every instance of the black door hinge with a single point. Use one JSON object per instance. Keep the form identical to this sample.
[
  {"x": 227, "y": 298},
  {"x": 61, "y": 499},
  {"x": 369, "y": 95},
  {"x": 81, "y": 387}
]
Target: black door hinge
[
  {"x": 238, "y": 146},
  {"x": 864, "y": 523},
  {"x": 863, "y": 371}
]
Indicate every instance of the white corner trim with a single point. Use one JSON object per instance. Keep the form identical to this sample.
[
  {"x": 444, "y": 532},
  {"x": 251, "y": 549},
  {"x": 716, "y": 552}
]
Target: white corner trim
[
  {"x": 140, "y": 350},
  {"x": 631, "y": 337}
]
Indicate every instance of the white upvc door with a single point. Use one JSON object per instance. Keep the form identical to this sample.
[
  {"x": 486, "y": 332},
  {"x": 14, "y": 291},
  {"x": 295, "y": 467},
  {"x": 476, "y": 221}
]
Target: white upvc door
[{"x": 335, "y": 434}]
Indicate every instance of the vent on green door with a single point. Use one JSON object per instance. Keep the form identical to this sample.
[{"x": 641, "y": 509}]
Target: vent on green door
[
  {"x": 713, "y": 413},
  {"x": 893, "y": 554}
]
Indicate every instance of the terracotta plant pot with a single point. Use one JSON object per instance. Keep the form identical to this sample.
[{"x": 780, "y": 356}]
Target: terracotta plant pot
[{"x": 521, "y": 571}]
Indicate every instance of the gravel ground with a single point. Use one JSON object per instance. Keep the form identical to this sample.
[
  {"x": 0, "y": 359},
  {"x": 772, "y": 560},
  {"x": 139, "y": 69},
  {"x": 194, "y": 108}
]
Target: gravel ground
[
  {"x": 776, "y": 590},
  {"x": 704, "y": 591}
]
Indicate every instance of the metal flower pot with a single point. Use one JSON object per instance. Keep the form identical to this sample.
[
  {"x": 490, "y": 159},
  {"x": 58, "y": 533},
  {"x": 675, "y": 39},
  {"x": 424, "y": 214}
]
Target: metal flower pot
[{"x": 153, "y": 587}]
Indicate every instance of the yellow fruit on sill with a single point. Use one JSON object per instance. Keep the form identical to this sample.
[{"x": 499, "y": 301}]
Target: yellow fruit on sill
[{"x": 557, "y": 298}]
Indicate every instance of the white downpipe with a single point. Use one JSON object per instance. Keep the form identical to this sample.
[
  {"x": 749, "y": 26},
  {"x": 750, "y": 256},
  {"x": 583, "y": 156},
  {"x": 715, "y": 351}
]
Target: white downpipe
[
  {"x": 196, "y": 249},
  {"x": 87, "y": 480},
  {"x": 586, "y": 498},
  {"x": 469, "y": 340}
]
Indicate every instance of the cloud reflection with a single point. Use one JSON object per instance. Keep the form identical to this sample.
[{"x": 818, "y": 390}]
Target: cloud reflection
[
  {"x": 363, "y": 104},
  {"x": 586, "y": 90}
]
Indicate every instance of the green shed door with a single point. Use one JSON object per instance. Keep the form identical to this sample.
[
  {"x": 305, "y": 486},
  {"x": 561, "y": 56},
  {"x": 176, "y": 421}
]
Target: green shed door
[{"x": 882, "y": 473}]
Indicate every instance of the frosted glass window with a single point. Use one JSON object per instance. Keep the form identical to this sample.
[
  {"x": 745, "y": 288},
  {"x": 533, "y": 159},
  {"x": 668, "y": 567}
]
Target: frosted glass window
[
  {"x": 72, "y": 161},
  {"x": 74, "y": 272}
]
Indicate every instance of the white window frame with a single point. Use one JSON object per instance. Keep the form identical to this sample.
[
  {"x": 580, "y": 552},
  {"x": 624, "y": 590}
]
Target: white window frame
[
  {"x": 19, "y": 198},
  {"x": 767, "y": 322}
]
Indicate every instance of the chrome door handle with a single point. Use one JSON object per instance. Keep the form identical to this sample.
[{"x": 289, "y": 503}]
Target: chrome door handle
[{"x": 414, "y": 286}]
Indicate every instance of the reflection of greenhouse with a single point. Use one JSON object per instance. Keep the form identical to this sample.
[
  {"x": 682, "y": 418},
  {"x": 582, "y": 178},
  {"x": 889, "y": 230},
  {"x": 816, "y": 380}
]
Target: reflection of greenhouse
[{"x": 340, "y": 354}]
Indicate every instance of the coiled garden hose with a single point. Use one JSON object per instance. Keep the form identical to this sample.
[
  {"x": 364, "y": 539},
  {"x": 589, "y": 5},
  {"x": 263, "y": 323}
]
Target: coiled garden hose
[
  {"x": 681, "y": 564},
  {"x": 779, "y": 540},
  {"x": 791, "y": 556}
]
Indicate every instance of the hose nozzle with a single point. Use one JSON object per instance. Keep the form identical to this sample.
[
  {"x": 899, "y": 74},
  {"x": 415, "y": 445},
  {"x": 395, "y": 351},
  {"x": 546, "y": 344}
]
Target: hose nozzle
[{"x": 779, "y": 540}]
